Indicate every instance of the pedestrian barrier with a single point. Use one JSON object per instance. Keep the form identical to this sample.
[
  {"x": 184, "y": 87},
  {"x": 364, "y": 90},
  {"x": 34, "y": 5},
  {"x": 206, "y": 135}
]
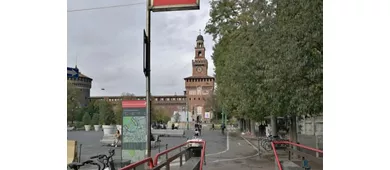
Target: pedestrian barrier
[
  {"x": 191, "y": 162},
  {"x": 273, "y": 143},
  {"x": 134, "y": 165}
]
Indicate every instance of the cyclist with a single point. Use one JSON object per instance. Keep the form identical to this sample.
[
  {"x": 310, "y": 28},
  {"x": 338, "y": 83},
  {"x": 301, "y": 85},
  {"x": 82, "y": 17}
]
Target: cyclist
[
  {"x": 223, "y": 128},
  {"x": 196, "y": 132}
]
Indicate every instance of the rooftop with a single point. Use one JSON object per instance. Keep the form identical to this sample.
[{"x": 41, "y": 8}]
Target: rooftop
[{"x": 190, "y": 77}]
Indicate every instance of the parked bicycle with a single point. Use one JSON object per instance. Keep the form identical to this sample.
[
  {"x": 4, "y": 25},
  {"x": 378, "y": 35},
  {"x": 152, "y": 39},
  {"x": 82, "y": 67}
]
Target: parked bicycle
[
  {"x": 76, "y": 165},
  {"x": 266, "y": 142},
  {"x": 106, "y": 161}
]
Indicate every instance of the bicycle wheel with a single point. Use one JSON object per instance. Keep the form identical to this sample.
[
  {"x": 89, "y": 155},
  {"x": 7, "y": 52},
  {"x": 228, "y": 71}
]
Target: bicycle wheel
[
  {"x": 263, "y": 142},
  {"x": 268, "y": 146}
]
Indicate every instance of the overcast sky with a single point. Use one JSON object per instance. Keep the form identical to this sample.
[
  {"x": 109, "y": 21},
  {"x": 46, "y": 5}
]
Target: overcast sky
[{"x": 109, "y": 45}]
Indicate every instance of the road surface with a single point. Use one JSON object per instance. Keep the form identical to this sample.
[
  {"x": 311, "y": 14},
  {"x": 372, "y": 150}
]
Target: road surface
[{"x": 222, "y": 151}]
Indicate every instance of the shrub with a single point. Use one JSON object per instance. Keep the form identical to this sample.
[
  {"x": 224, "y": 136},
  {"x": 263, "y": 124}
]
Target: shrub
[
  {"x": 86, "y": 119},
  {"x": 95, "y": 119}
]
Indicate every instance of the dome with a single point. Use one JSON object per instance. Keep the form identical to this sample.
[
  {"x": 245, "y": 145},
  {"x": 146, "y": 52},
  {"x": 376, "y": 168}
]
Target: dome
[{"x": 199, "y": 38}]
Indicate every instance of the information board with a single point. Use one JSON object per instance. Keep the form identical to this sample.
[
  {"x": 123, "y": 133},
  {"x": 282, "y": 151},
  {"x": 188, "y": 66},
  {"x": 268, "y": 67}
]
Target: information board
[{"x": 134, "y": 130}]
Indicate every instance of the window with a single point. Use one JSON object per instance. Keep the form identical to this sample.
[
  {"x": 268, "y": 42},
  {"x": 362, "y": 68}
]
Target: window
[{"x": 200, "y": 53}]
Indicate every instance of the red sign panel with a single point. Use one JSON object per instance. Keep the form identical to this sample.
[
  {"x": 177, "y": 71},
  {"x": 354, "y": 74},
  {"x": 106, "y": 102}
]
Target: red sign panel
[
  {"x": 133, "y": 103},
  {"x": 174, "y": 5}
]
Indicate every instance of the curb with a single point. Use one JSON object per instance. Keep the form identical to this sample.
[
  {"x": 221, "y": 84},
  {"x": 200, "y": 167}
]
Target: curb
[{"x": 260, "y": 148}]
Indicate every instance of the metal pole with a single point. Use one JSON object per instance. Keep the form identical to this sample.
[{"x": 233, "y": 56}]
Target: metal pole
[
  {"x": 188, "y": 124},
  {"x": 148, "y": 57}
]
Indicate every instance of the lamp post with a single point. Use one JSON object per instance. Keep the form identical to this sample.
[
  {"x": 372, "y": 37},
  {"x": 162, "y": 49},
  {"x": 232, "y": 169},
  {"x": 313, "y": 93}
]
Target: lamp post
[
  {"x": 147, "y": 76},
  {"x": 188, "y": 124}
]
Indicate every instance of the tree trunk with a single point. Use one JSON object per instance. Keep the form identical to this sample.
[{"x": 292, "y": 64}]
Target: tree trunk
[
  {"x": 274, "y": 127},
  {"x": 293, "y": 131},
  {"x": 253, "y": 126}
]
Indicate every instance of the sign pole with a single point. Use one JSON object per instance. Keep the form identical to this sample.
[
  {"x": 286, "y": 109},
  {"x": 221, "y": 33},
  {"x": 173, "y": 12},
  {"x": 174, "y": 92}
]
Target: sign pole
[
  {"x": 147, "y": 75},
  {"x": 188, "y": 124}
]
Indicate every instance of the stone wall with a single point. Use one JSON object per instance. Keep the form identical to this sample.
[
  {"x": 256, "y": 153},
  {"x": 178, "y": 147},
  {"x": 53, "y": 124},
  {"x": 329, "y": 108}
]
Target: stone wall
[{"x": 310, "y": 126}]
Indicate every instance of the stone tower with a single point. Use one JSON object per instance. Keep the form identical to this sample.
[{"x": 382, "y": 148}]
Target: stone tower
[{"x": 198, "y": 86}]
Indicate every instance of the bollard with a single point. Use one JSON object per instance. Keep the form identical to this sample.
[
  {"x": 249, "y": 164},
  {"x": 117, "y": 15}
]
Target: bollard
[
  {"x": 80, "y": 153},
  {"x": 166, "y": 158},
  {"x": 181, "y": 157}
]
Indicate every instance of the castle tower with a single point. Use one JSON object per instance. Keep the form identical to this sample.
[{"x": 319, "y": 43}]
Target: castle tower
[{"x": 199, "y": 86}]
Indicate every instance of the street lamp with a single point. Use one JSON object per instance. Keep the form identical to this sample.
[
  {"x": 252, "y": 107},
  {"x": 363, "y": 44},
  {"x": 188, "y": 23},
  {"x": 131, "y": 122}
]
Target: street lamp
[{"x": 188, "y": 124}]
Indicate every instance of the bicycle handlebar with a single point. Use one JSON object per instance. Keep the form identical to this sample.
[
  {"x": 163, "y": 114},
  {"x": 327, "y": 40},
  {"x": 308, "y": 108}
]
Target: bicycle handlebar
[
  {"x": 98, "y": 156},
  {"x": 94, "y": 157},
  {"x": 103, "y": 156},
  {"x": 76, "y": 165}
]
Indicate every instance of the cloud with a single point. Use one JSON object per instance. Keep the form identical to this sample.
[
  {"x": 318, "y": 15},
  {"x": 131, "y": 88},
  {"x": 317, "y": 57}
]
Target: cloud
[{"x": 107, "y": 45}]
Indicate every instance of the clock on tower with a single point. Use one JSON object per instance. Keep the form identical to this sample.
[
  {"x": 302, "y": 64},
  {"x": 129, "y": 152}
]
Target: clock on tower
[{"x": 199, "y": 69}]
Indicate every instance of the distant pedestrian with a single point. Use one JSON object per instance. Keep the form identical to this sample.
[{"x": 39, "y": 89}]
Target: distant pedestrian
[
  {"x": 117, "y": 138},
  {"x": 212, "y": 127},
  {"x": 200, "y": 129},
  {"x": 305, "y": 164}
]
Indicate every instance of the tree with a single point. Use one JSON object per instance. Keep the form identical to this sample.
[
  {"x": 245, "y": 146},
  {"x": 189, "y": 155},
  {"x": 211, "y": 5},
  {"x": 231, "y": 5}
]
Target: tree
[
  {"x": 159, "y": 114},
  {"x": 176, "y": 117},
  {"x": 213, "y": 105},
  {"x": 267, "y": 57},
  {"x": 73, "y": 101},
  {"x": 106, "y": 113},
  {"x": 80, "y": 113},
  {"x": 92, "y": 108},
  {"x": 95, "y": 119},
  {"x": 86, "y": 119}
]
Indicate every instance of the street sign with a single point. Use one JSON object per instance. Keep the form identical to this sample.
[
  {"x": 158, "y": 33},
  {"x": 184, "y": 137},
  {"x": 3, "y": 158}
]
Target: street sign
[
  {"x": 146, "y": 56},
  {"x": 73, "y": 72},
  {"x": 174, "y": 5}
]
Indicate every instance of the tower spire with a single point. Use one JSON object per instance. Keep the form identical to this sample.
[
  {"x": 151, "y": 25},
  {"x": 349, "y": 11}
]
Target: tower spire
[
  {"x": 200, "y": 32},
  {"x": 76, "y": 61}
]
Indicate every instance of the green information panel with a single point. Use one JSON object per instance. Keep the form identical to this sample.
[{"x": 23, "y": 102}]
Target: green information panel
[{"x": 134, "y": 131}]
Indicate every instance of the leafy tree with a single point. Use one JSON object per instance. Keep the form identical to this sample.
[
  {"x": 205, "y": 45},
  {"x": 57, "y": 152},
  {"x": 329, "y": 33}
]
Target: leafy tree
[
  {"x": 176, "y": 117},
  {"x": 92, "y": 108},
  {"x": 80, "y": 113},
  {"x": 95, "y": 119},
  {"x": 213, "y": 105},
  {"x": 106, "y": 113},
  {"x": 267, "y": 57},
  {"x": 159, "y": 114},
  {"x": 86, "y": 119},
  {"x": 73, "y": 101}
]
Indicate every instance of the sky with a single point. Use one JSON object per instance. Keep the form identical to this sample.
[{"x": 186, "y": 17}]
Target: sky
[{"x": 107, "y": 45}]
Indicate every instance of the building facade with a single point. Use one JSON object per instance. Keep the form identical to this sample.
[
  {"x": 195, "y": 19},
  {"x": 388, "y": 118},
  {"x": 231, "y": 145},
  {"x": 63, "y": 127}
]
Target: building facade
[
  {"x": 197, "y": 88},
  {"x": 84, "y": 84},
  {"x": 199, "y": 85},
  {"x": 171, "y": 103}
]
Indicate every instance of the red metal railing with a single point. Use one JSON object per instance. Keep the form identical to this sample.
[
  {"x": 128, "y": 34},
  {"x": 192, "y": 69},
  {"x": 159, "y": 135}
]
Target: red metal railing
[
  {"x": 291, "y": 143},
  {"x": 202, "y": 158},
  {"x": 141, "y": 162}
]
